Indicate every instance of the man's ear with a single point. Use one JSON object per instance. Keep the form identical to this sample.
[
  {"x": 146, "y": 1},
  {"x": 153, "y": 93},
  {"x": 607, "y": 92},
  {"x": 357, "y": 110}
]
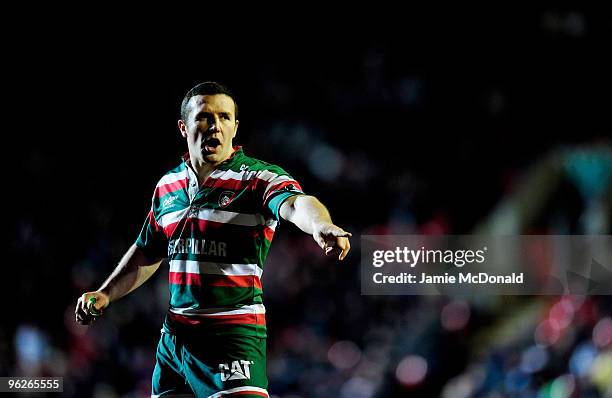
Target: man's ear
[
  {"x": 235, "y": 129},
  {"x": 182, "y": 128}
]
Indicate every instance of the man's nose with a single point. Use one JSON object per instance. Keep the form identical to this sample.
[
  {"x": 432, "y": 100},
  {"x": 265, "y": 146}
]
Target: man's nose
[{"x": 214, "y": 124}]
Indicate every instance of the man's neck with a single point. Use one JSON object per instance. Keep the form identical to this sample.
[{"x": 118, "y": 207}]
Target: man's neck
[{"x": 204, "y": 169}]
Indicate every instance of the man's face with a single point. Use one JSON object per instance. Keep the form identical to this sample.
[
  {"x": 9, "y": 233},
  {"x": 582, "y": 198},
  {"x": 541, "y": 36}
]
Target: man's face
[{"x": 210, "y": 127}]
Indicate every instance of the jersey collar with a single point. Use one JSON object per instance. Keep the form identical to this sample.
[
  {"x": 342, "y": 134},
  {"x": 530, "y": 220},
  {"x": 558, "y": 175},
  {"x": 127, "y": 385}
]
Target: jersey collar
[{"x": 227, "y": 164}]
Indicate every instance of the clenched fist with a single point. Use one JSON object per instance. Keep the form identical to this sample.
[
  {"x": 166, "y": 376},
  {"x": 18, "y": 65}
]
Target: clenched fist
[{"x": 90, "y": 306}]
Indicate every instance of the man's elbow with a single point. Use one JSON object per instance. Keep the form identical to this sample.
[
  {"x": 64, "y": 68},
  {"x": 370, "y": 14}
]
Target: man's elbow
[{"x": 287, "y": 210}]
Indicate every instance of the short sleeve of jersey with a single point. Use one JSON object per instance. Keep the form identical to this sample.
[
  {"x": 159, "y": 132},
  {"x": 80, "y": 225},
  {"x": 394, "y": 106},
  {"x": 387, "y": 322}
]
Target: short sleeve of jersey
[
  {"x": 152, "y": 240},
  {"x": 280, "y": 186}
]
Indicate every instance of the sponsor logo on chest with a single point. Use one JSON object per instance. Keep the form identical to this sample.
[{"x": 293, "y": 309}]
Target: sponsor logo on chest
[
  {"x": 197, "y": 246},
  {"x": 168, "y": 201}
]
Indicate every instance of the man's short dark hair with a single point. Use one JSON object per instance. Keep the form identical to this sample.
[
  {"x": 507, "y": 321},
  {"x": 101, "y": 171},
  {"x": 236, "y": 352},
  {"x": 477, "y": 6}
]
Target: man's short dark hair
[{"x": 206, "y": 88}]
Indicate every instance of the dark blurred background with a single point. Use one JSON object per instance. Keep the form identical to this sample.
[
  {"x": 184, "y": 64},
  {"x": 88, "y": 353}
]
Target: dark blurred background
[{"x": 401, "y": 124}]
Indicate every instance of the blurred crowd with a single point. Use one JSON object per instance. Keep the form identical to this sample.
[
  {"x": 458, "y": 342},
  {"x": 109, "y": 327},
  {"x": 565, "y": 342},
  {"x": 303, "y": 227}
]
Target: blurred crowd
[
  {"x": 368, "y": 141},
  {"x": 326, "y": 339}
]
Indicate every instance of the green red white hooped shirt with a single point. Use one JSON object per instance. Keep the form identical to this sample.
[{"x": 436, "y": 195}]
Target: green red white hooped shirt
[{"x": 216, "y": 237}]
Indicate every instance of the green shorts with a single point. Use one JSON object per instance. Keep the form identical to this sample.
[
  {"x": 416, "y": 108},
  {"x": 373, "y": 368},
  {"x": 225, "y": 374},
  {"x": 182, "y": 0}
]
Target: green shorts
[{"x": 210, "y": 367}]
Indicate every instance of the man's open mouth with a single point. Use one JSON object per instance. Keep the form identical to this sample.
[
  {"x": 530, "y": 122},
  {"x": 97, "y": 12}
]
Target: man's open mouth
[{"x": 211, "y": 143}]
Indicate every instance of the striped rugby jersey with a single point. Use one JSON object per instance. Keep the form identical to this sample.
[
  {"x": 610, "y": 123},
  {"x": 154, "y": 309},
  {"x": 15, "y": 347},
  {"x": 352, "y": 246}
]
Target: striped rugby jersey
[{"x": 216, "y": 237}]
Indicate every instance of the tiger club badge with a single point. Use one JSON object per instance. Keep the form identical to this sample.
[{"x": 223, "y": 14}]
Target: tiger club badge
[{"x": 226, "y": 198}]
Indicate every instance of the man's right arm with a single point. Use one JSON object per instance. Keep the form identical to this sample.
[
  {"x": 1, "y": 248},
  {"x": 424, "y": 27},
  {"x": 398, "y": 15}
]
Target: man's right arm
[{"x": 133, "y": 270}]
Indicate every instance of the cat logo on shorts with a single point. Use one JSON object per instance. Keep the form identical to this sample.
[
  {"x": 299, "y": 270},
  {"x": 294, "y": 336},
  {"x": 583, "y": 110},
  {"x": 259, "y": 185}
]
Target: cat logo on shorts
[
  {"x": 226, "y": 198},
  {"x": 240, "y": 370}
]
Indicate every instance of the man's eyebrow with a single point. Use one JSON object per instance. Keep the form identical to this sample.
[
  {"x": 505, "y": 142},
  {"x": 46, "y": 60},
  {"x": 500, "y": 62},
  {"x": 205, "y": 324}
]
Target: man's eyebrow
[
  {"x": 207, "y": 114},
  {"x": 202, "y": 114}
]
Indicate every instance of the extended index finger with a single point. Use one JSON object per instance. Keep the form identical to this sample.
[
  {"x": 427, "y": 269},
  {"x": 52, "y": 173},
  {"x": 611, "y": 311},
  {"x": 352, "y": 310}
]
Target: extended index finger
[{"x": 345, "y": 251}]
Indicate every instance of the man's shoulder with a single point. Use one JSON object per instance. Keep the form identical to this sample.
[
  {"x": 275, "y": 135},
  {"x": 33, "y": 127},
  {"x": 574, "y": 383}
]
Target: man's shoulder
[
  {"x": 175, "y": 174},
  {"x": 180, "y": 168}
]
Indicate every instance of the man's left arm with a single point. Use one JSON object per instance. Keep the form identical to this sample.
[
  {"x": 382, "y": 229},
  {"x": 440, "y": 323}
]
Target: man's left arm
[{"x": 312, "y": 217}]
